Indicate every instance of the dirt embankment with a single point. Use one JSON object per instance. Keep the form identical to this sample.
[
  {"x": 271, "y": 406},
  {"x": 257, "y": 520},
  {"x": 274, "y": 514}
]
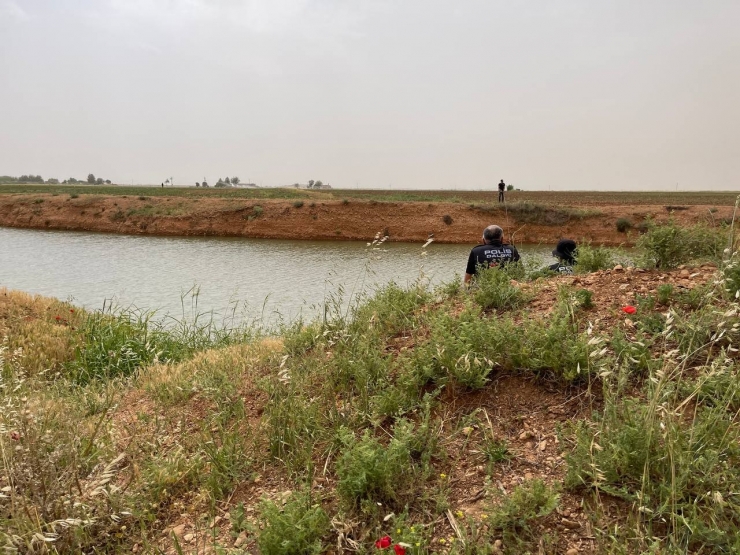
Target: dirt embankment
[{"x": 332, "y": 220}]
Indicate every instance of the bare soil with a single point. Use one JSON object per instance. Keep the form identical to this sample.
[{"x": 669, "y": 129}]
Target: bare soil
[{"x": 324, "y": 219}]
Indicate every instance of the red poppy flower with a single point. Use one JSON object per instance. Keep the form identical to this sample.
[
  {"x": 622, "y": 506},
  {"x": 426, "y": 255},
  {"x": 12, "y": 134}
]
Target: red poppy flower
[
  {"x": 383, "y": 542},
  {"x": 57, "y": 318},
  {"x": 72, "y": 310},
  {"x": 15, "y": 436},
  {"x": 399, "y": 549},
  {"x": 629, "y": 309}
]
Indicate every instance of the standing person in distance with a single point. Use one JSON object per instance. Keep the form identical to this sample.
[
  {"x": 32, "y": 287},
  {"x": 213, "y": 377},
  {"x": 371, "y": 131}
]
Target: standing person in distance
[
  {"x": 493, "y": 252},
  {"x": 501, "y": 189}
]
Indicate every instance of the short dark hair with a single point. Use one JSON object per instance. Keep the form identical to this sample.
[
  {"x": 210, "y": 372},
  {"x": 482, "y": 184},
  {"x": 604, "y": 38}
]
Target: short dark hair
[{"x": 493, "y": 233}]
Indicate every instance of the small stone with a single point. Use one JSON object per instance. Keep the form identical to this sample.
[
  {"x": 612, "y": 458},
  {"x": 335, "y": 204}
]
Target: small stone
[
  {"x": 571, "y": 524},
  {"x": 684, "y": 273},
  {"x": 542, "y": 445},
  {"x": 572, "y": 551},
  {"x": 618, "y": 268},
  {"x": 179, "y": 530},
  {"x": 241, "y": 540},
  {"x": 467, "y": 430},
  {"x": 498, "y": 544},
  {"x": 189, "y": 537},
  {"x": 526, "y": 435},
  {"x": 528, "y": 476},
  {"x": 624, "y": 286}
]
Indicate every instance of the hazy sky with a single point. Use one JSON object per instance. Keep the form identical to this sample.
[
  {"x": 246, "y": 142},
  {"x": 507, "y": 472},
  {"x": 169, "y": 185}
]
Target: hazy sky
[{"x": 412, "y": 94}]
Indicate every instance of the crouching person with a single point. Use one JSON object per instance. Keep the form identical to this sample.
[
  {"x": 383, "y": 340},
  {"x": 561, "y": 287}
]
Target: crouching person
[
  {"x": 566, "y": 252},
  {"x": 492, "y": 253}
]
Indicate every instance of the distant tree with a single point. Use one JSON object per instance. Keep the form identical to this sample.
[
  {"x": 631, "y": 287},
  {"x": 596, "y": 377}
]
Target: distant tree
[
  {"x": 235, "y": 181},
  {"x": 509, "y": 187},
  {"x": 197, "y": 184},
  {"x": 108, "y": 181},
  {"x": 317, "y": 185},
  {"x": 90, "y": 178},
  {"x": 99, "y": 181},
  {"x": 52, "y": 181},
  {"x": 227, "y": 181},
  {"x": 221, "y": 183},
  {"x": 166, "y": 181},
  {"x": 72, "y": 180},
  {"x": 204, "y": 184},
  {"x": 310, "y": 183}
]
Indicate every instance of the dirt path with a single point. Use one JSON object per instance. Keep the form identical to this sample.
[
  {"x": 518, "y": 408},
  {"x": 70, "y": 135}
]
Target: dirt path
[{"x": 337, "y": 220}]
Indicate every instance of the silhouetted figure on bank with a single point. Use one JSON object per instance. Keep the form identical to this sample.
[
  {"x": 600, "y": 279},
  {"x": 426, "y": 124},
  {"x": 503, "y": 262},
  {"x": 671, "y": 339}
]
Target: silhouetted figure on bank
[
  {"x": 501, "y": 189},
  {"x": 493, "y": 252}
]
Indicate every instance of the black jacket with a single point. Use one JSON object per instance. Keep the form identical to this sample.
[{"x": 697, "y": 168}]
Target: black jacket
[{"x": 494, "y": 254}]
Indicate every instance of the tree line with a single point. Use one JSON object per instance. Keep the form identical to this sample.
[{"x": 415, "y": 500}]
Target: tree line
[{"x": 91, "y": 179}]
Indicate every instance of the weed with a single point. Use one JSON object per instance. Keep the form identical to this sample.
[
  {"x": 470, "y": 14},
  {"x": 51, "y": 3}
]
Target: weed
[
  {"x": 345, "y": 201},
  {"x": 670, "y": 245},
  {"x": 38, "y": 201},
  {"x": 447, "y": 219},
  {"x": 527, "y": 503},
  {"x": 593, "y": 259},
  {"x": 493, "y": 289},
  {"x": 584, "y": 298},
  {"x": 623, "y": 225},
  {"x": 295, "y": 528},
  {"x": 495, "y": 450},
  {"x": 257, "y": 211},
  {"x": 298, "y": 204},
  {"x": 371, "y": 471},
  {"x": 118, "y": 216},
  {"x": 665, "y": 293}
]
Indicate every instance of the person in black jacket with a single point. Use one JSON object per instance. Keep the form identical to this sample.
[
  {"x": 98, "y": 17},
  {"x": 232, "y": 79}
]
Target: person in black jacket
[
  {"x": 565, "y": 252},
  {"x": 493, "y": 252},
  {"x": 501, "y": 189}
]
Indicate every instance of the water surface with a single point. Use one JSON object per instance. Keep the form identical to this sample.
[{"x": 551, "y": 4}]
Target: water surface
[{"x": 267, "y": 276}]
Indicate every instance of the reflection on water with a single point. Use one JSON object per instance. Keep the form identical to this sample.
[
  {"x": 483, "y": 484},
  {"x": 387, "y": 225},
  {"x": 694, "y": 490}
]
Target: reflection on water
[{"x": 269, "y": 276}]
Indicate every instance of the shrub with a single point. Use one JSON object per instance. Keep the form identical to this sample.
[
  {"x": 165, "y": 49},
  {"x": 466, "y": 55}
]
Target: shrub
[
  {"x": 669, "y": 245},
  {"x": 665, "y": 292},
  {"x": 298, "y": 204},
  {"x": 293, "y": 529},
  {"x": 447, "y": 219},
  {"x": 74, "y": 195},
  {"x": 584, "y": 298},
  {"x": 368, "y": 470},
  {"x": 593, "y": 259},
  {"x": 371, "y": 471},
  {"x": 526, "y": 503},
  {"x": 623, "y": 224}
]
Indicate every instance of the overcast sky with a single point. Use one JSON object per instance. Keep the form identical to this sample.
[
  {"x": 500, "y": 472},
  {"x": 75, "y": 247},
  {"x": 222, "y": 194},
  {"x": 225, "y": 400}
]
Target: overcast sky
[{"x": 410, "y": 94}]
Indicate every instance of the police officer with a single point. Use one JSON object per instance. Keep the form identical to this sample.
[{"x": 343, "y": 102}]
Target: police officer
[
  {"x": 493, "y": 252},
  {"x": 565, "y": 252}
]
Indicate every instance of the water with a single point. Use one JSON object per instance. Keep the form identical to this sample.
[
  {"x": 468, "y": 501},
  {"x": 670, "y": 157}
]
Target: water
[{"x": 260, "y": 277}]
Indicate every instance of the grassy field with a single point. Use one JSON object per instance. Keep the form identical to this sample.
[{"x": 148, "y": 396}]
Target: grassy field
[
  {"x": 526, "y": 416},
  {"x": 548, "y": 197}
]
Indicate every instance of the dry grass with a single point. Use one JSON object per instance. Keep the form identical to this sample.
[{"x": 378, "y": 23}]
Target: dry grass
[{"x": 42, "y": 328}]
